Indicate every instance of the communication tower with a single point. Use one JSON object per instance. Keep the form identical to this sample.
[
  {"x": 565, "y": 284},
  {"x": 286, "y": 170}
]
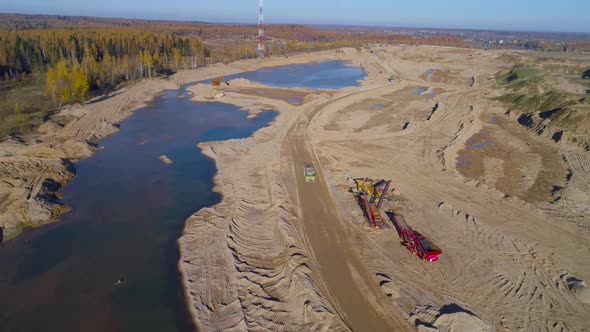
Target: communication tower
[{"x": 260, "y": 51}]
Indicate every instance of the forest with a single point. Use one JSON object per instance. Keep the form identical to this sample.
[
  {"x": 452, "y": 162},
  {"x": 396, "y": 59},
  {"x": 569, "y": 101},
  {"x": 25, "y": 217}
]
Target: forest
[{"x": 79, "y": 61}]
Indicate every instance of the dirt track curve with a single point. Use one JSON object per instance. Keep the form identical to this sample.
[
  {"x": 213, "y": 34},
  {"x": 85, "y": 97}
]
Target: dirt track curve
[{"x": 352, "y": 290}]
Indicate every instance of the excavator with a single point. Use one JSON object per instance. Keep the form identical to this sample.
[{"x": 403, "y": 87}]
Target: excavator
[{"x": 218, "y": 81}]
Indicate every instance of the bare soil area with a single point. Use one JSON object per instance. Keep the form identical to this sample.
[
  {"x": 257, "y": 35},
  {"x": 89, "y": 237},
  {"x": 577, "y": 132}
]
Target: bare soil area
[
  {"x": 509, "y": 208},
  {"x": 505, "y": 205}
]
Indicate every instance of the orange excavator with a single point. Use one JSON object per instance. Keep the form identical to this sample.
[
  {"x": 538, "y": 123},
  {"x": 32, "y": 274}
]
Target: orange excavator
[{"x": 218, "y": 81}]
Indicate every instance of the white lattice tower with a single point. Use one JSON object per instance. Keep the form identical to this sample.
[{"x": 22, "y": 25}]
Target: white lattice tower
[{"x": 260, "y": 28}]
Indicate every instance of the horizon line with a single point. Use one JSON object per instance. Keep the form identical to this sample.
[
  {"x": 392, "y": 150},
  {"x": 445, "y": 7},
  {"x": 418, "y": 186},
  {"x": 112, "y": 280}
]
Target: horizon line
[{"x": 309, "y": 24}]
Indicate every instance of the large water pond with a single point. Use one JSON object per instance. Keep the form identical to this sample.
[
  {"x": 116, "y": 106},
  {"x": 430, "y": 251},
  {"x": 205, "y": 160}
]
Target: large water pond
[
  {"x": 321, "y": 75},
  {"x": 128, "y": 210}
]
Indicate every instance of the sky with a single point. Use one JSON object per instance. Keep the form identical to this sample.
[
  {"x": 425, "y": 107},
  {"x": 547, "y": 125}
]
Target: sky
[{"x": 522, "y": 15}]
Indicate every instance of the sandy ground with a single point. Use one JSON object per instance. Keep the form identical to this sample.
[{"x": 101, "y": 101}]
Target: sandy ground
[
  {"x": 508, "y": 208},
  {"x": 282, "y": 254}
]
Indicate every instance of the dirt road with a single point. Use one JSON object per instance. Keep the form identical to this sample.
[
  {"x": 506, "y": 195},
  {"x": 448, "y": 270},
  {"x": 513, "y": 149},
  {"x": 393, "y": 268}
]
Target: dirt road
[{"x": 352, "y": 290}]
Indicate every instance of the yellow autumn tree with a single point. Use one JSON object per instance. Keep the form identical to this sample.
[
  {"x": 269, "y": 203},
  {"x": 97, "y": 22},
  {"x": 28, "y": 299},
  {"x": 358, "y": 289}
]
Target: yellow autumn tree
[
  {"x": 149, "y": 63},
  {"x": 51, "y": 85},
  {"x": 177, "y": 57},
  {"x": 18, "y": 108},
  {"x": 80, "y": 85},
  {"x": 63, "y": 77},
  {"x": 58, "y": 83}
]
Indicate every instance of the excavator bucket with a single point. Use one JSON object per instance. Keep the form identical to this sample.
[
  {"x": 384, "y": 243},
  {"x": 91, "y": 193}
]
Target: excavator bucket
[{"x": 217, "y": 81}]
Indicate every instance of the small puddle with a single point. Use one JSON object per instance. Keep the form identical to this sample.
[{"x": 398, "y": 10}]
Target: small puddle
[
  {"x": 376, "y": 106},
  {"x": 479, "y": 145},
  {"x": 420, "y": 91},
  {"x": 478, "y": 141},
  {"x": 295, "y": 100},
  {"x": 463, "y": 162},
  {"x": 429, "y": 73}
]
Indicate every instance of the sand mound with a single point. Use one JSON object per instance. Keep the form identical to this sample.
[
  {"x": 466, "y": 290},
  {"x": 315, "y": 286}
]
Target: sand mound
[
  {"x": 577, "y": 286},
  {"x": 204, "y": 91},
  {"x": 28, "y": 191},
  {"x": 448, "y": 318},
  {"x": 244, "y": 83}
]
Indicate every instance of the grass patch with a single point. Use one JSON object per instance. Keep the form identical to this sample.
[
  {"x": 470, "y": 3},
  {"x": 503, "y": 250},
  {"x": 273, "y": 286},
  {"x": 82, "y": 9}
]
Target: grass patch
[
  {"x": 23, "y": 105},
  {"x": 521, "y": 77},
  {"x": 543, "y": 102},
  {"x": 533, "y": 93},
  {"x": 521, "y": 73},
  {"x": 566, "y": 111},
  {"x": 575, "y": 120},
  {"x": 583, "y": 82}
]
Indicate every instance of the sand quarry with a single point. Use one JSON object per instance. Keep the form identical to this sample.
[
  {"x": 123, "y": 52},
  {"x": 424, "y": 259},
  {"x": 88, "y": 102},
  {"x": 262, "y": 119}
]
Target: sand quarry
[{"x": 281, "y": 254}]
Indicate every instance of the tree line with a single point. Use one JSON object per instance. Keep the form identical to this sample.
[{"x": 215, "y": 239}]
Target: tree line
[{"x": 80, "y": 61}]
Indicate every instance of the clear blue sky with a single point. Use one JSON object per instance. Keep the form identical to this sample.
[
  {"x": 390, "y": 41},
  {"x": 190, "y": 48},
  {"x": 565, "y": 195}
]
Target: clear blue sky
[{"x": 538, "y": 15}]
